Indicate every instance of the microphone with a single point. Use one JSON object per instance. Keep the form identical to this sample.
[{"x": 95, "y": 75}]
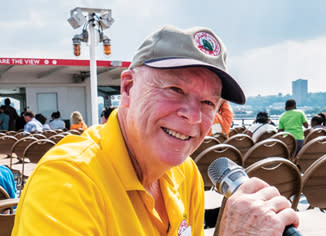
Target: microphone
[{"x": 227, "y": 176}]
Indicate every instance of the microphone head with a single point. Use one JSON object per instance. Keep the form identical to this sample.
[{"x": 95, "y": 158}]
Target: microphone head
[
  {"x": 219, "y": 168},
  {"x": 226, "y": 175}
]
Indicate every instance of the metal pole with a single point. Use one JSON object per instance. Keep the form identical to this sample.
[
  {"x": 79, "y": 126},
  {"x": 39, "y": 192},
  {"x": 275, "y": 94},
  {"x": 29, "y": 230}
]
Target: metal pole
[{"x": 93, "y": 72}]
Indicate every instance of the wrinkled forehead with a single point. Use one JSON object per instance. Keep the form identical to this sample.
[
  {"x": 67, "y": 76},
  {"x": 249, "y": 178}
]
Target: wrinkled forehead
[{"x": 202, "y": 76}]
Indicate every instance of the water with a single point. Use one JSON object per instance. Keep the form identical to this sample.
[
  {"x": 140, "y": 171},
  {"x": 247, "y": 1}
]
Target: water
[{"x": 249, "y": 121}]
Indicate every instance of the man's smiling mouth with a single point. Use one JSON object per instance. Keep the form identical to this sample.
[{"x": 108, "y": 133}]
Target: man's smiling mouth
[{"x": 176, "y": 134}]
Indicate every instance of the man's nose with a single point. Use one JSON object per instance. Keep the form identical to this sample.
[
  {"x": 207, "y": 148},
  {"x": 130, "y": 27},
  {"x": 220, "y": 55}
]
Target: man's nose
[{"x": 191, "y": 110}]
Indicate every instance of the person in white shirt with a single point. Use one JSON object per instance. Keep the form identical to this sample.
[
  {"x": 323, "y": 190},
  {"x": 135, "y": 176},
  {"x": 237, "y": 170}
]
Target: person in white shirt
[
  {"x": 261, "y": 124},
  {"x": 56, "y": 122}
]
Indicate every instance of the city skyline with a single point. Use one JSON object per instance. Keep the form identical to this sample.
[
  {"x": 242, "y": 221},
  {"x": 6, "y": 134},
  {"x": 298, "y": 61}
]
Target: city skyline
[{"x": 270, "y": 43}]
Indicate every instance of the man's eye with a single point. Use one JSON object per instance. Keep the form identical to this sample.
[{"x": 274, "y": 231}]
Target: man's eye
[
  {"x": 208, "y": 103},
  {"x": 176, "y": 89}
]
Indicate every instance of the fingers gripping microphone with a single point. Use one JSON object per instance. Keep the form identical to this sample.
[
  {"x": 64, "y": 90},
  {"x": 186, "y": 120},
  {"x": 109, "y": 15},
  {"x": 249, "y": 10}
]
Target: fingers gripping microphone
[{"x": 228, "y": 176}]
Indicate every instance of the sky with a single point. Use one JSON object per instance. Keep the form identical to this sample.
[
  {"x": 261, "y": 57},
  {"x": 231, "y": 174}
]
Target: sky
[{"x": 270, "y": 43}]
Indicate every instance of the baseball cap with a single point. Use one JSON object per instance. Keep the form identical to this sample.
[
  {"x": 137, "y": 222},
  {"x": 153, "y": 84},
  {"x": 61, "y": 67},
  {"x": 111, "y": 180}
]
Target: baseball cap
[{"x": 171, "y": 48}]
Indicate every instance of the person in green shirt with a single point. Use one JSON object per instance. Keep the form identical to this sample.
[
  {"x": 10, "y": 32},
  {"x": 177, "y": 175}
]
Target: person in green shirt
[{"x": 292, "y": 121}]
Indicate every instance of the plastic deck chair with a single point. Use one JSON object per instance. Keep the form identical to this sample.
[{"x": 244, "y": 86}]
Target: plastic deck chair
[
  {"x": 7, "y": 219},
  {"x": 306, "y": 132},
  {"x": 281, "y": 173},
  {"x": 21, "y": 135},
  {"x": 75, "y": 132},
  {"x": 265, "y": 135},
  {"x": 267, "y": 148},
  {"x": 56, "y": 138},
  {"x": 241, "y": 141},
  {"x": 314, "y": 133},
  {"x": 310, "y": 152},
  {"x": 6, "y": 143},
  {"x": 233, "y": 132},
  {"x": 11, "y": 133},
  {"x": 34, "y": 152},
  {"x": 220, "y": 137},
  {"x": 39, "y": 136},
  {"x": 205, "y": 158},
  {"x": 208, "y": 141},
  {"x": 3, "y": 193},
  {"x": 49, "y": 133},
  {"x": 314, "y": 183},
  {"x": 289, "y": 140},
  {"x": 16, "y": 156},
  {"x": 18, "y": 148}
]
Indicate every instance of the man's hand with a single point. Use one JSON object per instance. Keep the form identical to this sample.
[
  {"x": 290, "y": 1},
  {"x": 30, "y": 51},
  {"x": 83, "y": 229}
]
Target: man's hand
[{"x": 257, "y": 209}]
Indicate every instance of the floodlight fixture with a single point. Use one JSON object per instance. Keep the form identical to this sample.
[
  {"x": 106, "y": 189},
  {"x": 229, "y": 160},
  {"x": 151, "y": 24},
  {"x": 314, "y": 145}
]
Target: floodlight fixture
[
  {"x": 106, "y": 20},
  {"x": 76, "y": 40},
  {"x": 107, "y": 45},
  {"x": 77, "y": 18}
]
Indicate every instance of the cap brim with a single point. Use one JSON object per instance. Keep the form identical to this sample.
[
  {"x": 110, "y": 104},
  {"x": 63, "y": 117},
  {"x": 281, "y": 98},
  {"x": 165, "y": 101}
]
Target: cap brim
[{"x": 231, "y": 90}]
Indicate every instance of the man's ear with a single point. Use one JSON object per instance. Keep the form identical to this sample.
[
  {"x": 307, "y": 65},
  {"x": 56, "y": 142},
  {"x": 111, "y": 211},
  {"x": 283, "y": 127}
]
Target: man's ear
[{"x": 127, "y": 82}]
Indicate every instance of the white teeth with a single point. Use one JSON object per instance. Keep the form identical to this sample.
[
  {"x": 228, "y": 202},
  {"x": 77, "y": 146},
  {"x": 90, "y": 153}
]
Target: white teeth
[{"x": 175, "y": 134}]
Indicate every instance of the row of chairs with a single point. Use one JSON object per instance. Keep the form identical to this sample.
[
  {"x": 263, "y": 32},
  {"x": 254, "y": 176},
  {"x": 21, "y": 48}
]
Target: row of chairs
[
  {"x": 9, "y": 140},
  {"x": 267, "y": 148},
  {"x": 11, "y": 146},
  {"x": 244, "y": 142},
  {"x": 22, "y": 155},
  {"x": 44, "y": 134},
  {"x": 308, "y": 133},
  {"x": 25, "y": 154},
  {"x": 242, "y": 130},
  {"x": 310, "y": 150},
  {"x": 209, "y": 151}
]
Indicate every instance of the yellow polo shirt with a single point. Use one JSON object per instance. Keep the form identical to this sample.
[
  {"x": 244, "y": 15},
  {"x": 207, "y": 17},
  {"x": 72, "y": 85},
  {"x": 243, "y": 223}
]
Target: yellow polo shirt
[{"x": 86, "y": 185}]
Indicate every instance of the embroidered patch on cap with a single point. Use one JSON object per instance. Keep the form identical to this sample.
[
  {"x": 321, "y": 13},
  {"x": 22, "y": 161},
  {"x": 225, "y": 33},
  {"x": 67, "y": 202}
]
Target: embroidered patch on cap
[{"x": 207, "y": 43}]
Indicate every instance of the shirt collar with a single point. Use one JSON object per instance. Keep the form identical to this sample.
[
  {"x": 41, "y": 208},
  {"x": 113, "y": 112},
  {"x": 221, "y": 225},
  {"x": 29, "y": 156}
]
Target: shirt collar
[{"x": 114, "y": 146}]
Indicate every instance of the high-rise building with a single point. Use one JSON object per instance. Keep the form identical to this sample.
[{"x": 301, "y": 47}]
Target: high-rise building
[{"x": 300, "y": 90}]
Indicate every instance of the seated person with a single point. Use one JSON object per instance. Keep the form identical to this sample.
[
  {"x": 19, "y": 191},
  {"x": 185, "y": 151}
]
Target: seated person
[
  {"x": 43, "y": 119},
  {"x": 318, "y": 121},
  {"x": 261, "y": 124},
  {"x": 32, "y": 124},
  {"x": 7, "y": 181},
  {"x": 4, "y": 119},
  {"x": 77, "y": 121},
  {"x": 57, "y": 122},
  {"x": 105, "y": 114}
]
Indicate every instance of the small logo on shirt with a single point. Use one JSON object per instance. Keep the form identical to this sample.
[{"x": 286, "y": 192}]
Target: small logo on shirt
[{"x": 184, "y": 229}]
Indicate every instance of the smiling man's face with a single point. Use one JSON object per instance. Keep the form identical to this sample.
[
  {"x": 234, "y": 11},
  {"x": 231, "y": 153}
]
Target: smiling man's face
[{"x": 170, "y": 112}]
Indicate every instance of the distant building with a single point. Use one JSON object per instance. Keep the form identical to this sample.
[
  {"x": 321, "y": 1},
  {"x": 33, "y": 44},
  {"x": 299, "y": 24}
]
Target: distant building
[{"x": 300, "y": 90}]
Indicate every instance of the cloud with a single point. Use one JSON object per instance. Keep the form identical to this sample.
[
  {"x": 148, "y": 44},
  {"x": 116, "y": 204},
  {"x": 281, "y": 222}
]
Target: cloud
[{"x": 271, "y": 70}]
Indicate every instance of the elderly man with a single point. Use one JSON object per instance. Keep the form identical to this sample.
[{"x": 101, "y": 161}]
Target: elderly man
[{"x": 133, "y": 175}]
